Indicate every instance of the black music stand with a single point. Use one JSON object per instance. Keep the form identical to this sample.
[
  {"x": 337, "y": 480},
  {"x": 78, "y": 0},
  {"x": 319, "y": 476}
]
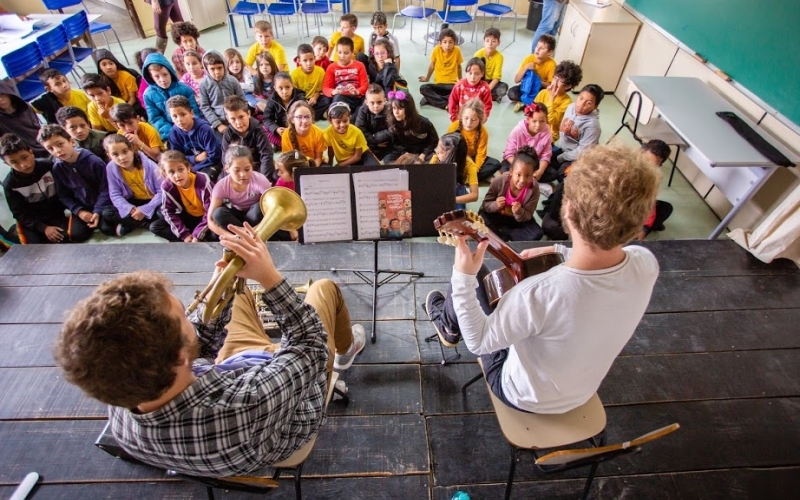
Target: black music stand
[
  {"x": 433, "y": 193},
  {"x": 371, "y": 277}
]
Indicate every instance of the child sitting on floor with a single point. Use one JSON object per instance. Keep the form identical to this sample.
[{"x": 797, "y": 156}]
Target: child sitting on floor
[
  {"x": 452, "y": 148},
  {"x": 302, "y": 134},
  {"x": 245, "y": 130},
  {"x": 470, "y": 125},
  {"x": 98, "y": 88},
  {"x": 186, "y": 198},
  {"x": 242, "y": 188},
  {"x": 532, "y": 131},
  {"x": 511, "y": 200},
  {"x": 372, "y": 120},
  {"x": 215, "y": 88},
  {"x": 309, "y": 77},
  {"x": 265, "y": 42},
  {"x": 445, "y": 67},
  {"x": 193, "y": 137},
  {"x": 541, "y": 65},
  {"x": 556, "y": 97},
  {"x": 494, "y": 63},
  {"x": 411, "y": 132},
  {"x": 186, "y": 36},
  {"x": 346, "y": 143},
  {"x": 58, "y": 94},
  {"x": 320, "y": 46},
  {"x": 285, "y": 165},
  {"x": 379, "y": 25},
  {"x": 236, "y": 68},
  {"x": 133, "y": 186},
  {"x": 580, "y": 128},
  {"x": 275, "y": 115},
  {"x": 142, "y": 135},
  {"x": 263, "y": 79},
  {"x": 346, "y": 79},
  {"x": 124, "y": 81},
  {"x": 470, "y": 87},
  {"x": 381, "y": 68},
  {"x": 76, "y": 123},
  {"x": 657, "y": 152},
  {"x": 194, "y": 71}
]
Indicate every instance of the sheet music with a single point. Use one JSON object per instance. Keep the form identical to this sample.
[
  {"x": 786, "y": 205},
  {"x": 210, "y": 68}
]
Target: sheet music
[
  {"x": 14, "y": 28},
  {"x": 367, "y": 185},
  {"x": 327, "y": 199}
]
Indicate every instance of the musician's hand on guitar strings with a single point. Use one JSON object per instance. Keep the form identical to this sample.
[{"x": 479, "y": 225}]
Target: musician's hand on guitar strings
[
  {"x": 258, "y": 263},
  {"x": 467, "y": 261}
]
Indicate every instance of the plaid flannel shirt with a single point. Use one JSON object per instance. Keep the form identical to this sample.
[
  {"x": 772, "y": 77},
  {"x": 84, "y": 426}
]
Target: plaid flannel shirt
[{"x": 236, "y": 422}]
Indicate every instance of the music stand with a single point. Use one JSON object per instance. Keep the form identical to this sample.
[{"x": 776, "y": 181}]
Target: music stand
[
  {"x": 430, "y": 199},
  {"x": 370, "y": 277}
]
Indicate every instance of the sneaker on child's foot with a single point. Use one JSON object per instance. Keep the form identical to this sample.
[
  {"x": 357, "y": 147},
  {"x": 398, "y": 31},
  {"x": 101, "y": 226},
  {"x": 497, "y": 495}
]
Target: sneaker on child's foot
[
  {"x": 434, "y": 303},
  {"x": 345, "y": 361},
  {"x": 122, "y": 230},
  {"x": 339, "y": 387},
  {"x": 518, "y": 107},
  {"x": 423, "y": 102},
  {"x": 546, "y": 189}
]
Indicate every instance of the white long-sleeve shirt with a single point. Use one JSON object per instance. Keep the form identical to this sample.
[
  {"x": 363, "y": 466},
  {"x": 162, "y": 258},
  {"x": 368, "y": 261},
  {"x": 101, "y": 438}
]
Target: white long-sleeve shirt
[{"x": 563, "y": 328}]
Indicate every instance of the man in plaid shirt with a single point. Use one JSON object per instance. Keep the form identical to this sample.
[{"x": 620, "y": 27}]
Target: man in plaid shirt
[{"x": 130, "y": 345}]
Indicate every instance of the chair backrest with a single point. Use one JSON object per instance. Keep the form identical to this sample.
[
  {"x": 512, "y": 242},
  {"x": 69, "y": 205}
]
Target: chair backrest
[
  {"x": 23, "y": 61},
  {"x": 76, "y": 25},
  {"x": 583, "y": 456},
  {"x": 53, "y": 42},
  {"x": 60, "y": 4}
]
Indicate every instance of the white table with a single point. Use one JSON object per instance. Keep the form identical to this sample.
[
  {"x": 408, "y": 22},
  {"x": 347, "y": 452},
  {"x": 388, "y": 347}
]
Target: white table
[
  {"x": 53, "y": 20},
  {"x": 689, "y": 106}
]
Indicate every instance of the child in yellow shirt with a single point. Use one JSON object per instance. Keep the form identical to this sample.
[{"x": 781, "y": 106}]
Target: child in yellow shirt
[
  {"x": 347, "y": 27},
  {"x": 346, "y": 142},
  {"x": 540, "y": 62},
  {"x": 494, "y": 63},
  {"x": 308, "y": 77},
  {"x": 445, "y": 67},
  {"x": 302, "y": 135},
  {"x": 265, "y": 43},
  {"x": 143, "y": 136},
  {"x": 556, "y": 97},
  {"x": 98, "y": 88},
  {"x": 58, "y": 94},
  {"x": 470, "y": 125}
]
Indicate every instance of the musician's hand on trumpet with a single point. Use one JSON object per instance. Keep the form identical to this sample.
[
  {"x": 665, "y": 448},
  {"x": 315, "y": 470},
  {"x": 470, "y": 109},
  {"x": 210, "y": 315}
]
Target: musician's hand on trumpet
[
  {"x": 467, "y": 261},
  {"x": 258, "y": 263}
]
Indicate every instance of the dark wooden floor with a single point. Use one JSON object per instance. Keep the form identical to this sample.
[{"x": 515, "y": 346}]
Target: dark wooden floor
[{"x": 718, "y": 352}]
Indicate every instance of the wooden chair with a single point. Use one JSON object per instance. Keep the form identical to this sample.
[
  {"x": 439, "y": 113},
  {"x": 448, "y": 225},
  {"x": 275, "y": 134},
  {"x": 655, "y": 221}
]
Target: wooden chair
[
  {"x": 655, "y": 128},
  {"x": 532, "y": 432},
  {"x": 261, "y": 484}
]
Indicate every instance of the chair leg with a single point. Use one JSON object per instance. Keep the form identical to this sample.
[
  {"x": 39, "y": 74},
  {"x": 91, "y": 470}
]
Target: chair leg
[
  {"x": 587, "y": 488},
  {"x": 511, "y": 470},
  {"x": 674, "y": 165},
  {"x": 471, "y": 381},
  {"x": 297, "y": 473},
  {"x": 120, "y": 46}
]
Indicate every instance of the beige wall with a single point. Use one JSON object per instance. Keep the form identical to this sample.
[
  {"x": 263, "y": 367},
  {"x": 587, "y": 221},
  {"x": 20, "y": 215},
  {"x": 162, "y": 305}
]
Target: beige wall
[{"x": 24, "y": 6}]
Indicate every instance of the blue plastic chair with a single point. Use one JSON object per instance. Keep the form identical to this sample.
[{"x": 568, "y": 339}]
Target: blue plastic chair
[
  {"x": 414, "y": 9},
  {"x": 317, "y": 9},
  {"x": 21, "y": 63},
  {"x": 496, "y": 10},
  {"x": 246, "y": 10},
  {"x": 458, "y": 12},
  {"x": 95, "y": 28},
  {"x": 277, "y": 10},
  {"x": 56, "y": 51},
  {"x": 76, "y": 26}
]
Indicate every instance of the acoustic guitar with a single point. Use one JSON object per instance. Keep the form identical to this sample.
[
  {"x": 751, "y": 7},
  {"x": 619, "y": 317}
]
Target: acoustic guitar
[{"x": 500, "y": 281}]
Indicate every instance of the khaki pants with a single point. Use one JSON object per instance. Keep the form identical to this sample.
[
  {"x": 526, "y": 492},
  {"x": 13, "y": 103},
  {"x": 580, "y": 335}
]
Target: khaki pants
[{"x": 245, "y": 331}]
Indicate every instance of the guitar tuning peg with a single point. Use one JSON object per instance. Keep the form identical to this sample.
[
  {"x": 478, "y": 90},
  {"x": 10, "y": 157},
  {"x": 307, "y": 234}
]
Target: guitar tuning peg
[{"x": 442, "y": 238}]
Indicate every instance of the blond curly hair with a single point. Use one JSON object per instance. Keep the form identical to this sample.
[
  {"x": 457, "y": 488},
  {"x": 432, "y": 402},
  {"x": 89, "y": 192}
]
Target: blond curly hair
[{"x": 610, "y": 190}]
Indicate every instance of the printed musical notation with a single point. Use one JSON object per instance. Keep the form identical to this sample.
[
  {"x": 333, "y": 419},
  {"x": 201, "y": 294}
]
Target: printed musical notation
[
  {"x": 367, "y": 186},
  {"x": 327, "y": 199}
]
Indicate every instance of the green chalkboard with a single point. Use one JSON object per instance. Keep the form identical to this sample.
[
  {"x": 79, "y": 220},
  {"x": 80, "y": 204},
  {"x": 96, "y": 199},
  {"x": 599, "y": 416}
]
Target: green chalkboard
[{"x": 756, "y": 42}]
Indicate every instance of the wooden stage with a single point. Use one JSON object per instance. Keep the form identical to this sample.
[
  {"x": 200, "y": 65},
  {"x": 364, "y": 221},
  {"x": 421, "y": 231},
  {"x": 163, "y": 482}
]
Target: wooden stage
[{"x": 718, "y": 352}]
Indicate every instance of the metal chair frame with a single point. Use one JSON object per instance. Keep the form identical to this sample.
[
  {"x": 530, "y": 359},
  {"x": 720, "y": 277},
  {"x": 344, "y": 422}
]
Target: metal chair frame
[
  {"x": 415, "y": 9},
  {"x": 497, "y": 10},
  {"x": 20, "y": 64},
  {"x": 246, "y": 10},
  {"x": 95, "y": 28}
]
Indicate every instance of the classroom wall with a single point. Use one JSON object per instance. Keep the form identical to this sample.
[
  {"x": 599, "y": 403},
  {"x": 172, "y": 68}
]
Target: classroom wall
[
  {"x": 24, "y": 6},
  {"x": 655, "y": 54}
]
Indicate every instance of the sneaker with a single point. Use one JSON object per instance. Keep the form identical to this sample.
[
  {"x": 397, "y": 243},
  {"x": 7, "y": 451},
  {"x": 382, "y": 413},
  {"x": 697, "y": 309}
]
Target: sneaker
[
  {"x": 423, "y": 102},
  {"x": 434, "y": 303},
  {"x": 122, "y": 230},
  {"x": 339, "y": 388},
  {"x": 518, "y": 107},
  {"x": 546, "y": 189},
  {"x": 345, "y": 361}
]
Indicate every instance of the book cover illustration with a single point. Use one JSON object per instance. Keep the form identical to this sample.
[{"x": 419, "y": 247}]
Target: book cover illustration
[{"x": 394, "y": 210}]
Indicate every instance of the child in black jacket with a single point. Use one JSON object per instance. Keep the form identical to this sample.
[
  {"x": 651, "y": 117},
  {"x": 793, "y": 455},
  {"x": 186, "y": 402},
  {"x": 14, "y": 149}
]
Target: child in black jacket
[{"x": 372, "y": 119}]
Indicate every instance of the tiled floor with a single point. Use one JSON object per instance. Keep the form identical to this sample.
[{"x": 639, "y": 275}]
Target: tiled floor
[{"x": 691, "y": 218}]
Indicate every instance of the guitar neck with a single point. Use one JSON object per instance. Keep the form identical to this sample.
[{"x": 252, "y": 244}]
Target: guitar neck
[{"x": 502, "y": 252}]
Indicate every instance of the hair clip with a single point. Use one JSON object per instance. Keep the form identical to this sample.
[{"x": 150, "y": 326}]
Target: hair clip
[
  {"x": 296, "y": 154},
  {"x": 399, "y": 95},
  {"x": 532, "y": 108},
  {"x": 338, "y": 104}
]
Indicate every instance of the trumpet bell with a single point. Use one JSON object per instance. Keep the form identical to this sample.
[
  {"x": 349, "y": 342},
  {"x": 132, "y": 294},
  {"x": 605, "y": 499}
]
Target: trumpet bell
[{"x": 282, "y": 209}]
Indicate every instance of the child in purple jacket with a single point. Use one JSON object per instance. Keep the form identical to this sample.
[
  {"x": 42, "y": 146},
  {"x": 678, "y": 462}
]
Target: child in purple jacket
[{"x": 186, "y": 197}]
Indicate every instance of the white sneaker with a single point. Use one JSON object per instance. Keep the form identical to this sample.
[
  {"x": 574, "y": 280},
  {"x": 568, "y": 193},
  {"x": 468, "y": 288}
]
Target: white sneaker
[
  {"x": 345, "y": 361},
  {"x": 546, "y": 190}
]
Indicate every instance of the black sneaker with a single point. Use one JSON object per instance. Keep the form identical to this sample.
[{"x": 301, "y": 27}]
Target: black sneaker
[
  {"x": 423, "y": 102},
  {"x": 434, "y": 303}
]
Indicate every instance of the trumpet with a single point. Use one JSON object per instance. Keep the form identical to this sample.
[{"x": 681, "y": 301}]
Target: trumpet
[{"x": 282, "y": 209}]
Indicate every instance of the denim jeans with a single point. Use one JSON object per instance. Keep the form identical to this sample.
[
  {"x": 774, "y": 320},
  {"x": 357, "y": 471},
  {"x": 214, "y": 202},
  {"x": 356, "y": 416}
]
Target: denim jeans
[{"x": 552, "y": 17}]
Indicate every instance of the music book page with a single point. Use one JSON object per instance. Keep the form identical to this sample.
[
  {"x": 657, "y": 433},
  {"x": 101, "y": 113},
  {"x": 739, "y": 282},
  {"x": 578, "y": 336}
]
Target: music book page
[
  {"x": 327, "y": 199},
  {"x": 367, "y": 185}
]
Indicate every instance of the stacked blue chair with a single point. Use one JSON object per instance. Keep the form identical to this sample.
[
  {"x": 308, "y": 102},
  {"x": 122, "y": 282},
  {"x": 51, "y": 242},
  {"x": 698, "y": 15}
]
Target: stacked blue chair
[
  {"x": 496, "y": 10},
  {"x": 76, "y": 26},
  {"x": 458, "y": 12},
  {"x": 317, "y": 9},
  {"x": 24, "y": 63},
  {"x": 277, "y": 10},
  {"x": 56, "y": 50},
  {"x": 95, "y": 28},
  {"x": 246, "y": 10},
  {"x": 414, "y": 9}
]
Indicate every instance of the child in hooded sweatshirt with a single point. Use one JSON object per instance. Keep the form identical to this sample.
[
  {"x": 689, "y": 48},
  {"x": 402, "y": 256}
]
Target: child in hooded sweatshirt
[
  {"x": 580, "y": 128},
  {"x": 18, "y": 118},
  {"x": 163, "y": 83},
  {"x": 124, "y": 81},
  {"x": 275, "y": 114},
  {"x": 532, "y": 131},
  {"x": 217, "y": 86}
]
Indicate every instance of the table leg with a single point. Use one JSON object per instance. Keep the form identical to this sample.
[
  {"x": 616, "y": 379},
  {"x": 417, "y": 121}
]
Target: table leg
[{"x": 754, "y": 187}]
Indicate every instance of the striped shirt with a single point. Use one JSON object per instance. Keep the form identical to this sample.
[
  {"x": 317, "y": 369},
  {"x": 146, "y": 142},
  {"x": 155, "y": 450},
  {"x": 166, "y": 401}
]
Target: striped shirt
[{"x": 238, "y": 421}]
